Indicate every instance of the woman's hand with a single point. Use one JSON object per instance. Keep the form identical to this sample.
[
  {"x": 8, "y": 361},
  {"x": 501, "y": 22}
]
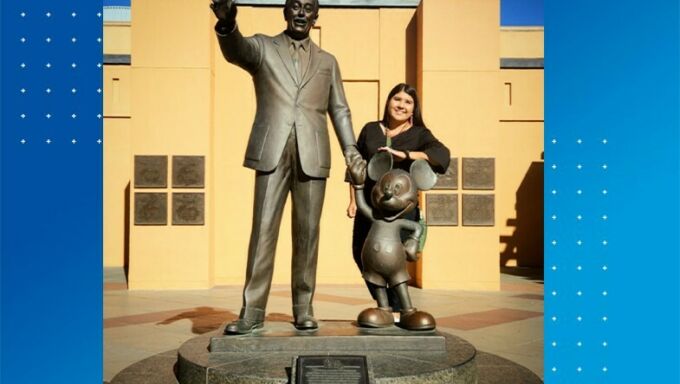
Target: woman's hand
[
  {"x": 398, "y": 155},
  {"x": 352, "y": 207},
  {"x": 351, "y": 210},
  {"x": 401, "y": 155}
]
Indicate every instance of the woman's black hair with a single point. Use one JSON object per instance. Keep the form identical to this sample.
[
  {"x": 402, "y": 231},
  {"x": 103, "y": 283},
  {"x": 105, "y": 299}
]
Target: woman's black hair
[{"x": 403, "y": 87}]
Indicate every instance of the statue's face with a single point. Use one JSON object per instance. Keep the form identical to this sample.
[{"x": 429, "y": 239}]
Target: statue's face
[
  {"x": 300, "y": 17},
  {"x": 394, "y": 194}
]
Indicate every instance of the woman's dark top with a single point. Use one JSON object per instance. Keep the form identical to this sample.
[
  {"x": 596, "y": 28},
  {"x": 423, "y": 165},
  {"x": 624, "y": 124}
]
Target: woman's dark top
[{"x": 414, "y": 139}]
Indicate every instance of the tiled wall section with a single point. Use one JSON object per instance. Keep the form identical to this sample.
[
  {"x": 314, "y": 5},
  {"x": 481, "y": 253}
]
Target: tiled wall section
[
  {"x": 151, "y": 207},
  {"x": 477, "y": 209}
]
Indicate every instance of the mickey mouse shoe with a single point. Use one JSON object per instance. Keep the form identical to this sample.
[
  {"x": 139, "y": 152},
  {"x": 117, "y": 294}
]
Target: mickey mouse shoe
[
  {"x": 375, "y": 318},
  {"x": 415, "y": 320}
]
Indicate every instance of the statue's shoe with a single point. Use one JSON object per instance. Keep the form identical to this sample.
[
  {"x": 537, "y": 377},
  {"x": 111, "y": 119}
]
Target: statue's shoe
[
  {"x": 375, "y": 318},
  {"x": 305, "y": 323},
  {"x": 415, "y": 320},
  {"x": 242, "y": 326}
]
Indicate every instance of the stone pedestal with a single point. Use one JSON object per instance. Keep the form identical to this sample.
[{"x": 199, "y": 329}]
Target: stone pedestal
[
  {"x": 266, "y": 356},
  {"x": 194, "y": 359}
]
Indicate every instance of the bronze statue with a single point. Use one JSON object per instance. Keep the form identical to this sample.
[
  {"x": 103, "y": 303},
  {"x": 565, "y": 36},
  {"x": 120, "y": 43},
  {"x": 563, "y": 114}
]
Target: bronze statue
[
  {"x": 384, "y": 255},
  {"x": 296, "y": 83}
]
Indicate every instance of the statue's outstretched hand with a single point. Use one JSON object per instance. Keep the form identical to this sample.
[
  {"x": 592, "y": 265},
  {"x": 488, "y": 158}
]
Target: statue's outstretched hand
[{"x": 224, "y": 10}]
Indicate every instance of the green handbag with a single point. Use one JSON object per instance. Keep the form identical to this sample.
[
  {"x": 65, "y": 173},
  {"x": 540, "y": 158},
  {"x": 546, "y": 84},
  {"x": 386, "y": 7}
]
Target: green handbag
[{"x": 423, "y": 236}]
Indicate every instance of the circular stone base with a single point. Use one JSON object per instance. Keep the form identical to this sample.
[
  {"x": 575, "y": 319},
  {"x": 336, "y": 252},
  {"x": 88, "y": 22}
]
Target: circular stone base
[
  {"x": 194, "y": 363},
  {"x": 266, "y": 356}
]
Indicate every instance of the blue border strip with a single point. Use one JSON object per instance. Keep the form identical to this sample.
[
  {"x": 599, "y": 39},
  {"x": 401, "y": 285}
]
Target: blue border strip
[
  {"x": 51, "y": 267},
  {"x": 2, "y": 232},
  {"x": 612, "y": 193}
]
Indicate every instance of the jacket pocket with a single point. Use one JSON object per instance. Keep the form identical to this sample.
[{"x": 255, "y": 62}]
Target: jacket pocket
[
  {"x": 258, "y": 137},
  {"x": 323, "y": 150}
]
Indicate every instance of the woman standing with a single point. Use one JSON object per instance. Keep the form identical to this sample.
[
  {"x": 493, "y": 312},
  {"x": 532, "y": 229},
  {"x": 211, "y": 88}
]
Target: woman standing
[{"x": 402, "y": 133}]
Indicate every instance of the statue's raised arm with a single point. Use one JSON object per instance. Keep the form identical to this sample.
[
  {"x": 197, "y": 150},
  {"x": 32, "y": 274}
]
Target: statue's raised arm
[{"x": 224, "y": 10}]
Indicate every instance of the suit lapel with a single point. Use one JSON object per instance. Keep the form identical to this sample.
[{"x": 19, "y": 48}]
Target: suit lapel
[
  {"x": 313, "y": 64},
  {"x": 284, "y": 53}
]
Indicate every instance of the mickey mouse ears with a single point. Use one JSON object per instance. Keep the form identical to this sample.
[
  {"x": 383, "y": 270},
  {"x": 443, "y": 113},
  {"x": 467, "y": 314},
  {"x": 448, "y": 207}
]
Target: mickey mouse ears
[
  {"x": 380, "y": 164},
  {"x": 423, "y": 175}
]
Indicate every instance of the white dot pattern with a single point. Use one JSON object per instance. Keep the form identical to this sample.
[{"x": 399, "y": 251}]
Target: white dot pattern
[
  {"x": 576, "y": 258},
  {"x": 48, "y": 45}
]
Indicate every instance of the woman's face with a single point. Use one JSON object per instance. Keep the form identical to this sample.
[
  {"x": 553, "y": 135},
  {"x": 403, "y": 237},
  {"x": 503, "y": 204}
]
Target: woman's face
[{"x": 401, "y": 107}]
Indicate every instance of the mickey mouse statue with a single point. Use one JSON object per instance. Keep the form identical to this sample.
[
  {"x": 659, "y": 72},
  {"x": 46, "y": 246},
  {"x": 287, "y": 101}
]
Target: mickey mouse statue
[{"x": 384, "y": 255}]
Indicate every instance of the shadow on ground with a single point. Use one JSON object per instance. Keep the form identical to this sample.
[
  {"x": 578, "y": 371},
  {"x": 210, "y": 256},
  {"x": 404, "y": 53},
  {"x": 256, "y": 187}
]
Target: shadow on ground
[{"x": 208, "y": 319}]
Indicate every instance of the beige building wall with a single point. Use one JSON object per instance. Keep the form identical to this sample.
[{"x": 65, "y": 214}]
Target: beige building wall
[
  {"x": 459, "y": 82},
  {"x": 520, "y": 161},
  {"x": 117, "y": 147},
  {"x": 117, "y": 38},
  {"x": 180, "y": 97},
  {"x": 171, "y": 78},
  {"x": 116, "y": 187},
  {"x": 525, "y": 42}
]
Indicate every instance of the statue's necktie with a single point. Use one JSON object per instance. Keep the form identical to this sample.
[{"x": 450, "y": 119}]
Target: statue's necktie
[{"x": 296, "y": 60}]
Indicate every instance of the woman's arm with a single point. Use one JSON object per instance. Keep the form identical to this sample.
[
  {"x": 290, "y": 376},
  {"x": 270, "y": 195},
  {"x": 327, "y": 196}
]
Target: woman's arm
[
  {"x": 352, "y": 208},
  {"x": 427, "y": 148},
  {"x": 438, "y": 154},
  {"x": 403, "y": 155}
]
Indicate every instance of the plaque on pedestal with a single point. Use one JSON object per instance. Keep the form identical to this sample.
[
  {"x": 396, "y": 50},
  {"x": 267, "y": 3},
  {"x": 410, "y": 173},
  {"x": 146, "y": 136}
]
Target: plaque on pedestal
[{"x": 330, "y": 369}]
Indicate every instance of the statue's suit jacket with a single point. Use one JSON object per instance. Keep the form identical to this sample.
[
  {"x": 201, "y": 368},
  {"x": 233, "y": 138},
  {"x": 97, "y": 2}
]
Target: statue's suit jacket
[{"x": 284, "y": 102}]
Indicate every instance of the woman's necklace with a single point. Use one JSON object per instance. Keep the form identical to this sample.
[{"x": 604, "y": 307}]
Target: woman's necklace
[{"x": 394, "y": 132}]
